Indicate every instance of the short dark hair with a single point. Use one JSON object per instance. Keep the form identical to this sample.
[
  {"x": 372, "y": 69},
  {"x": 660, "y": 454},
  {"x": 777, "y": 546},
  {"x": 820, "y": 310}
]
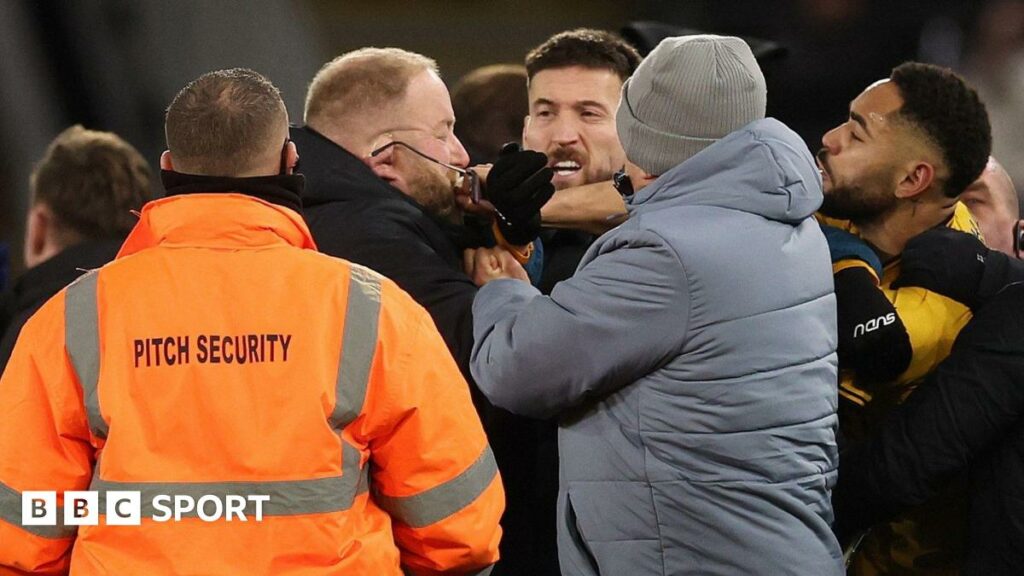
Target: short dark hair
[
  {"x": 221, "y": 123},
  {"x": 587, "y": 48},
  {"x": 941, "y": 104},
  {"x": 91, "y": 181},
  {"x": 490, "y": 104}
]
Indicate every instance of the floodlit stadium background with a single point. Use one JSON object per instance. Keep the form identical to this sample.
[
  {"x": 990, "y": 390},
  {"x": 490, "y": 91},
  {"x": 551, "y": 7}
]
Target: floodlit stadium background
[{"x": 115, "y": 64}]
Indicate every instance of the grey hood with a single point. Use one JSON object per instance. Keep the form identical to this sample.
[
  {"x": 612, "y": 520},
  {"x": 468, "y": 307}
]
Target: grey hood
[{"x": 763, "y": 168}]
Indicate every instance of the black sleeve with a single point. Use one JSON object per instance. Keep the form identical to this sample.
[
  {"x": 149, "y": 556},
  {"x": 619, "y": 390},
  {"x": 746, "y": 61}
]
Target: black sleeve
[
  {"x": 965, "y": 406},
  {"x": 10, "y": 328},
  {"x": 1001, "y": 271},
  {"x": 872, "y": 339},
  {"x": 392, "y": 242},
  {"x": 8, "y": 336},
  {"x": 957, "y": 265}
]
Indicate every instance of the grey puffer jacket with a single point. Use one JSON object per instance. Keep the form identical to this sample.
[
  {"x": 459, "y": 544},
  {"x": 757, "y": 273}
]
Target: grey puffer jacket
[{"x": 692, "y": 361}]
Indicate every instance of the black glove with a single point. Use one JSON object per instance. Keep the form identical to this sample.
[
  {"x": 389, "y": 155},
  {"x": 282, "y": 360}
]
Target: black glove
[
  {"x": 518, "y": 185},
  {"x": 956, "y": 265},
  {"x": 872, "y": 339}
]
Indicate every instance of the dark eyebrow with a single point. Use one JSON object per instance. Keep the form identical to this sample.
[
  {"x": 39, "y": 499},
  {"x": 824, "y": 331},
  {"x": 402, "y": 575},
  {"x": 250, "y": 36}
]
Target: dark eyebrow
[
  {"x": 543, "y": 102},
  {"x": 860, "y": 120}
]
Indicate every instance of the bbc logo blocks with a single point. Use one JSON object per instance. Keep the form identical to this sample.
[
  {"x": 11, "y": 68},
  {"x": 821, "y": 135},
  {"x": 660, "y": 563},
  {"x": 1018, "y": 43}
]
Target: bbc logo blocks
[{"x": 81, "y": 508}]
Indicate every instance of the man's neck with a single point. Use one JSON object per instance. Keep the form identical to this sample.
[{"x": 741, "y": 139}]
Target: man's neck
[{"x": 889, "y": 234}]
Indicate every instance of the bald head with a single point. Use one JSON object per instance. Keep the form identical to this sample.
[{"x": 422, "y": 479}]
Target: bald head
[
  {"x": 227, "y": 123},
  {"x": 993, "y": 202}
]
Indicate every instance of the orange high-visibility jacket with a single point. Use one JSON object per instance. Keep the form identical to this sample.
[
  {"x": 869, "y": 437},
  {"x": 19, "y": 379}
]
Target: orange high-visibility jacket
[{"x": 221, "y": 359}]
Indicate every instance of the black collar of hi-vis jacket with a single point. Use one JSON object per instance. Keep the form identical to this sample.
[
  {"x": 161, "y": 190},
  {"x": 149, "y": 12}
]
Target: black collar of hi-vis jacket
[{"x": 281, "y": 189}]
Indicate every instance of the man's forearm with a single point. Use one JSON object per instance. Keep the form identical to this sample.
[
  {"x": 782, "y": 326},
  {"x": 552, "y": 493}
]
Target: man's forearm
[{"x": 594, "y": 208}]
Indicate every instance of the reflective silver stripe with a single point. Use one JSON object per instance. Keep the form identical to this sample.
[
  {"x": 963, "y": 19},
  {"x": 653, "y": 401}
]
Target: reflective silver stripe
[
  {"x": 355, "y": 479},
  {"x": 443, "y": 500},
  {"x": 10, "y": 512},
  {"x": 357, "y": 345},
  {"x": 287, "y": 498},
  {"x": 82, "y": 340}
]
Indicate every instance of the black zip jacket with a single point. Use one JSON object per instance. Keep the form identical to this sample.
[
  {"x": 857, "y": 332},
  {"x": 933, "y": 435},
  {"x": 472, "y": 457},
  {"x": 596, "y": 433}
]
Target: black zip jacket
[
  {"x": 40, "y": 283},
  {"x": 968, "y": 416}
]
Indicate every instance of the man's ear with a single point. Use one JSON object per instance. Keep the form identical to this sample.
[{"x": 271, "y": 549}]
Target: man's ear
[
  {"x": 638, "y": 176},
  {"x": 526, "y": 126},
  {"x": 383, "y": 164},
  {"x": 37, "y": 234},
  {"x": 291, "y": 157},
  {"x": 916, "y": 180},
  {"x": 166, "y": 163}
]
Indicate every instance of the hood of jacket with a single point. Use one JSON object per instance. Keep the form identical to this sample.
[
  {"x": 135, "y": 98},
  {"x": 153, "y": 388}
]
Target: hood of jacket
[
  {"x": 763, "y": 168},
  {"x": 226, "y": 220}
]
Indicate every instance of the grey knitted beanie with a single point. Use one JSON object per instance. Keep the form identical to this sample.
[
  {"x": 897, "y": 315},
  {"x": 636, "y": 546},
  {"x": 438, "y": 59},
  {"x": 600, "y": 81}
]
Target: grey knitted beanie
[{"x": 688, "y": 93}]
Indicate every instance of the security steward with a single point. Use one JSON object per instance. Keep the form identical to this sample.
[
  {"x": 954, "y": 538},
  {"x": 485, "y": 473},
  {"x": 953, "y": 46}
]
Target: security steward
[{"x": 220, "y": 358}]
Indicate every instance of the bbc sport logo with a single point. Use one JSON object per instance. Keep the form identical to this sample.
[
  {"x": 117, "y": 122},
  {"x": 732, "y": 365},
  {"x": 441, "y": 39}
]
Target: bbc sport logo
[{"x": 124, "y": 508}]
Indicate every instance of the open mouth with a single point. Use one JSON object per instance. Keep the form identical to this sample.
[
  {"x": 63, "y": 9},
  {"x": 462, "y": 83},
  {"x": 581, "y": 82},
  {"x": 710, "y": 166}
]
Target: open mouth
[
  {"x": 819, "y": 159},
  {"x": 566, "y": 168},
  {"x": 822, "y": 170}
]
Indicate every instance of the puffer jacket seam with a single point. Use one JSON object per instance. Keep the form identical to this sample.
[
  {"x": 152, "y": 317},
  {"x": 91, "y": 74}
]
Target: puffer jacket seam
[
  {"x": 756, "y": 372},
  {"x": 765, "y": 482},
  {"x": 766, "y": 428},
  {"x": 766, "y": 312}
]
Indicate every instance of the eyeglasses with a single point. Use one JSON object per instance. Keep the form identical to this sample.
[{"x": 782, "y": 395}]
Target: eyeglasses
[{"x": 468, "y": 183}]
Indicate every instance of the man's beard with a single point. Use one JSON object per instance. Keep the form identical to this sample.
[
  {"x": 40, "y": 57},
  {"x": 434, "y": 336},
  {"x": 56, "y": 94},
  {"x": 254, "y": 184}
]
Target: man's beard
[
  {"x": 434, "y": 192},
  {"x": 856, "y": 204},
  {"x": 861, "y": 202}
]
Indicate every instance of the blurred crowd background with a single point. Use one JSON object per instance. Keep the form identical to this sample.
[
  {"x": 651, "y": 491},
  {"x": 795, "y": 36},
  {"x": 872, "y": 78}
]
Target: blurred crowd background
[{"x": 116, "y": 64}]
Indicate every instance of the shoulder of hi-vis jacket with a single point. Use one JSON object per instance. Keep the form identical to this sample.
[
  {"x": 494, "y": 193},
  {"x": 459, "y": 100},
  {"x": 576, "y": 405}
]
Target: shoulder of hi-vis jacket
[{"x": 344, "y": 411}]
